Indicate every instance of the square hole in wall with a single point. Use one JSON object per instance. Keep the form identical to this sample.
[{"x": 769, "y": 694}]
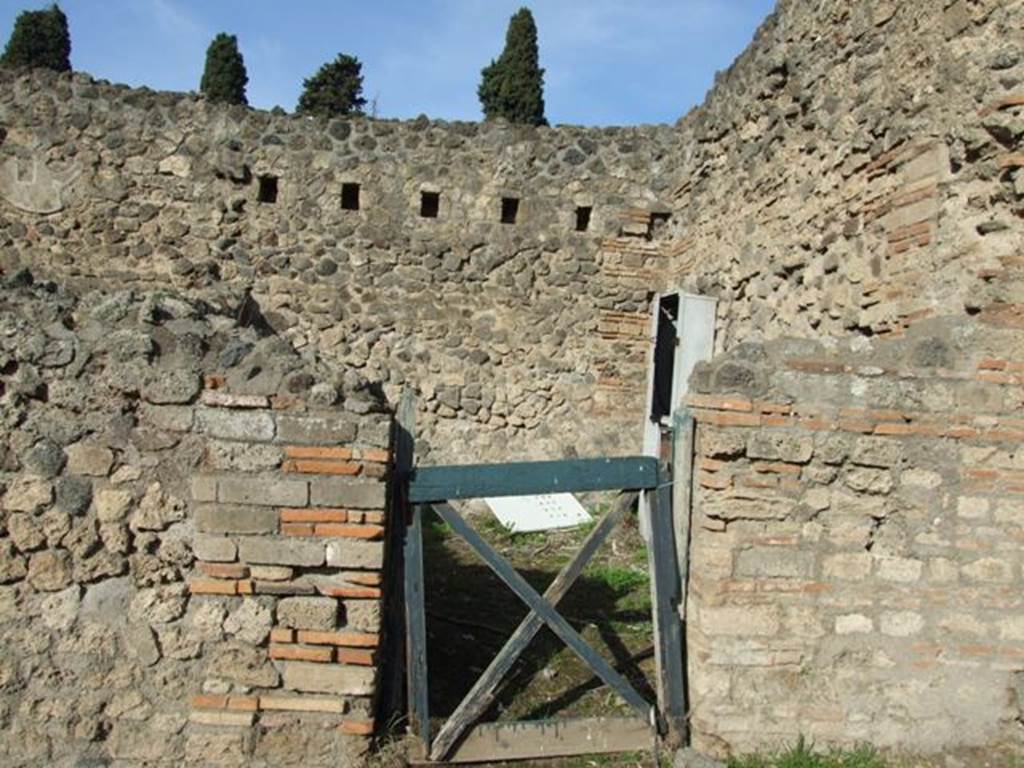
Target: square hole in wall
[
  {"x": 583, "y": 217},
  {"x": 267, "y": 192},
  {"x": 350, "y": 196},
  {"x": 509, "y": 210},
  {"x": 430, "y": 204}
]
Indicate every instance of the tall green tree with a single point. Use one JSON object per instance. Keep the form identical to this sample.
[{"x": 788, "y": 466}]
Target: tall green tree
[
  {"x": 336, "y": 89},
  {"x": 512, "y": 87},
  {"x": 224, "y": 77},
  {"x": 39, "y": 39}
]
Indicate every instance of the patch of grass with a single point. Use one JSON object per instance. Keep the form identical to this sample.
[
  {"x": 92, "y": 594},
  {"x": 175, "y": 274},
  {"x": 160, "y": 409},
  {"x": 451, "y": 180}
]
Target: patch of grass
[
  {"x": 488, "y": 526},
  {"x": 618, "y": 760},
  {"x": 436, "y": 530},
  {"x": 619, "y": 580},
  {"x": 803, "y": 755}
]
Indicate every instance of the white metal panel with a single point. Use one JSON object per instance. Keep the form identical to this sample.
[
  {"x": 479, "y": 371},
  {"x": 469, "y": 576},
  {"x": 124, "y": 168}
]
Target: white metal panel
[
  {"x": 696, "y": 330},
  {"x": 542, "y": 512},
  {"x": 695, "y": 335}
]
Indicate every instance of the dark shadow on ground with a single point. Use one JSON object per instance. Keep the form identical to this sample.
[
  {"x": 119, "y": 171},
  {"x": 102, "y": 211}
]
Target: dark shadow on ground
[{"x": 471, "y": 613}]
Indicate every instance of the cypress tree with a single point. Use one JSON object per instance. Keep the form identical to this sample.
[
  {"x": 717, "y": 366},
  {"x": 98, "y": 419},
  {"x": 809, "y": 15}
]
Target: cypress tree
[
  {"x": 513, "y": 86},
  {"x": 224, "y": 77},
  {"x": 336, "y": 89},
  {"x": 39, "y": 39}
]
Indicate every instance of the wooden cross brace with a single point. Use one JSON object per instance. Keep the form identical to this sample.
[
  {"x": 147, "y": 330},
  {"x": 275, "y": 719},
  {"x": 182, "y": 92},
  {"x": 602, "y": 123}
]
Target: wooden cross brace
[{"x": 542, "y": 611}]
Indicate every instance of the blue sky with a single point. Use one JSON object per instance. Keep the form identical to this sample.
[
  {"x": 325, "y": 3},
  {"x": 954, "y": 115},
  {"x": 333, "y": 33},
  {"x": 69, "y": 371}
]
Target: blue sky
[{"x": 608, "y": 62}]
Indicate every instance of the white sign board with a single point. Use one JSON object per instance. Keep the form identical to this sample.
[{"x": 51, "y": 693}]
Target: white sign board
[{"x": 524, "y": 514}]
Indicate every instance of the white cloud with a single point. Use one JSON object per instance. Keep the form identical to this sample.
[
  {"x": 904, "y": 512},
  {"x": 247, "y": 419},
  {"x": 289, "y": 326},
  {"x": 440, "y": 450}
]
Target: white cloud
[{"x": 175, "y": 22}]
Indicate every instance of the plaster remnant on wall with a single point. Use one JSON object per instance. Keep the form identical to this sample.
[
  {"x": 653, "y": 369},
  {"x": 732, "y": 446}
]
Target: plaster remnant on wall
[{"x": 38, "y": 189}]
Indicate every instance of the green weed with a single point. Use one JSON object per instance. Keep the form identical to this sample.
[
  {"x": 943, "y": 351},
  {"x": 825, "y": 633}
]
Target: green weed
[
  {"x": 436, "y": 530},
  {"x": 621, "y": 581},
  {"x": 803, "y": 755}
]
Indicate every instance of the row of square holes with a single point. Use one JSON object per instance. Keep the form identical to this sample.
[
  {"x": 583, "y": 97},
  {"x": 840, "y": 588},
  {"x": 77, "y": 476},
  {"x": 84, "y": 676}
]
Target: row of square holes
[{"x": 430, "y": 203}]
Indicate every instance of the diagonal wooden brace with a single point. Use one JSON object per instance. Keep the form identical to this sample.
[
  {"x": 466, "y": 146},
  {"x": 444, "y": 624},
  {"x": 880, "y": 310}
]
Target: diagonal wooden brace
[
  {"x": 544, "y": 610},
  {"x": 481, "y": 696}
]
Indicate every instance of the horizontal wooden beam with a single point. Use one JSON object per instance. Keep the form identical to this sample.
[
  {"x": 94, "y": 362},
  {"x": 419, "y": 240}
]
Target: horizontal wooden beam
[
  {"x": 495, "y": 742},
  {"x": 474, "y": 481}
]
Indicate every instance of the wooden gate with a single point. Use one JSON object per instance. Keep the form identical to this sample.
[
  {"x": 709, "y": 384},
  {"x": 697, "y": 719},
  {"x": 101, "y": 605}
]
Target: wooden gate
[{"x": 461, "y": 739}]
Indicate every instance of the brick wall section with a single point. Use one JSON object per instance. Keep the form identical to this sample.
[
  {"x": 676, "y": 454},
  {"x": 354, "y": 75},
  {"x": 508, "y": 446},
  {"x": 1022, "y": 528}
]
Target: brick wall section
[
  {"x": 635, "y": 260},
  {"x": 294, "y": 521},
  {"x": 191, "y": 538},
  {"x": 856, "y": 568},
  {"x": 856, "y": 170}
]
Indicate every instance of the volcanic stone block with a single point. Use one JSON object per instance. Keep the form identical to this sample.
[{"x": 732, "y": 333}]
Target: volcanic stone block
[
  {"x": 352, "y": 553},
  {"x": 173, "y": 418},
  {"x": 50, "y": 571},
  {"x": 214, "y": 549},
  {"x": 363, "y": 615},
  {"x": 377, "y": 433},
  {"x": 24, "y": 532},
  {"x": 783, "y": 446},
  {"x": 276, "y": 492},
  {"x": 268, "y": 551},
  {"x": 775, "y": 563},
  {"x": 329, "y": 678},
  {"x": 171, "y": 385},
  {"x": 877, "y": 452},
  {"x": 90, "y": 459},
  {"x": 231, "y": 518},
  {"x": 310, "y": 430},
  {"x": 308, "y": 612},
  {"x": 112, "y": 504},
  {"x": 204, "y": 488},
  {"x": 242, "y": 457},
  {"x": 341, "y": 492},
  {"x": 255, "y": 426},
  {"x": 74, "y": 494},
  {"x": 27, "y": 494}
]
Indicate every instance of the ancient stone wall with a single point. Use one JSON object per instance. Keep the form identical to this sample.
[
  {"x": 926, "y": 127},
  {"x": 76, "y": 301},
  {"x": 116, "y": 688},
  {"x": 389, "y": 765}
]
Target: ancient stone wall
[
  {"x": 857, "y": 174},
  {"x": 856, "y": 569},
  {"x": 192, "y": 527},
  {"x": 856, "y": 171},
  {"x": 504, "y": 271}
]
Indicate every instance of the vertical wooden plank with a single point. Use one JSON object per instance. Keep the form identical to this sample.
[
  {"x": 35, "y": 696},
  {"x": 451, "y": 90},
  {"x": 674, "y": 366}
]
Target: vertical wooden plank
[
  {"x": 410, "y": 520},
  {"x": 416, "y": 632},
  {"x": 668, "y": 644},
  {"x": 393, "y": 681}
]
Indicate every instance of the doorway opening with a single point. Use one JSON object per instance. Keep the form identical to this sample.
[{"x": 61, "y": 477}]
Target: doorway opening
[{"x": 666, "y": 341}]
